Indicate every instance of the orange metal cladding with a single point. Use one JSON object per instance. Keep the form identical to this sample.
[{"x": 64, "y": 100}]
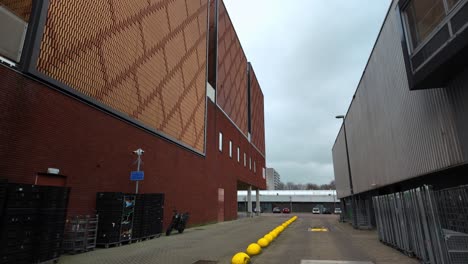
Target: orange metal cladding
[
  {"x": 257, "y": 115},
  {"x": 143, "y": 58},
  {"x": 21, "y": 8},
  {"x": 232, "y": 72}
]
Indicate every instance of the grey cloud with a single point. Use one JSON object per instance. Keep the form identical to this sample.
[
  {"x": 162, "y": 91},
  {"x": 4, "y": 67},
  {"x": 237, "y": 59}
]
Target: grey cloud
[{"x": 308, "y": 57}]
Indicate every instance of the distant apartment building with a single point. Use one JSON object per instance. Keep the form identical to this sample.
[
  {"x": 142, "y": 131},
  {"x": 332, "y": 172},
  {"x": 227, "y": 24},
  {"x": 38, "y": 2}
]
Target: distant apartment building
[{"x": 272, "y": 179}]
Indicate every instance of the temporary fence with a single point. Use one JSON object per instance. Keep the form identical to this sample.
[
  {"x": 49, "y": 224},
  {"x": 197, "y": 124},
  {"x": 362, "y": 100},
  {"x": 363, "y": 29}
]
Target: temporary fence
[
  {"x": 364, "y": 213},
  {"x": 424, "y": 223},
  {"x": 453, "y": 212}
]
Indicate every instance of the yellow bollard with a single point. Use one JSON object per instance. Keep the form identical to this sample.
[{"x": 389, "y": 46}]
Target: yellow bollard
[
  {"x": 253, "y": 249},
  {"x": 269, "y": 238},
  {"x": 263, "y": 242},
  {"x": 240, "y": 258},
  {"x": 274, "y": 234},
  {"x": 280, "y": 228}
]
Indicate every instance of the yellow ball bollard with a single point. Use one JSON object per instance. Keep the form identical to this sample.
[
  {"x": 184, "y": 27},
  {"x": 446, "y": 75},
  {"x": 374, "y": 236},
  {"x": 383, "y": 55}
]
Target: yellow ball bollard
[
  {"x": 263, "y": 242},
  {"x": 280, "y": 228},
  {"x": 274, "y": 234},
  {"x": 268, "y": 237},
  {"x": 240, "y": 258},
  {"x": 253, "y": 249}
]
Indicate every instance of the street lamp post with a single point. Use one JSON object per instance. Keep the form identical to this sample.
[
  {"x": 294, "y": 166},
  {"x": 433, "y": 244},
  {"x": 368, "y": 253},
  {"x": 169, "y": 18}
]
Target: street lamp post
[{"x": 353, "y": 203}]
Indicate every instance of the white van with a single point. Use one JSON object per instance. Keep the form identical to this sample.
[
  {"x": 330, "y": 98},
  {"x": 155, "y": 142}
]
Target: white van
[{"x": 316, "y": 210}]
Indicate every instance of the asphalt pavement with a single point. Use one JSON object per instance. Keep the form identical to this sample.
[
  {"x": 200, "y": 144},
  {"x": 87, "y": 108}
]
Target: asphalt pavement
[{"x": 217, "y": 243}]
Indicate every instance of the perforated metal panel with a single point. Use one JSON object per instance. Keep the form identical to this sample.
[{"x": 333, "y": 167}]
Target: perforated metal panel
[
  {"x": 257, "y": 112},
  {"x": 145, "y": 59},
  {"x": 231, "y": 87}
]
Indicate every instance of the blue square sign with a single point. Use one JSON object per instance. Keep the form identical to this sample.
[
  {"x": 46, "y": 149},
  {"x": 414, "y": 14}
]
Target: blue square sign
[{"x": 137, "y": 175}]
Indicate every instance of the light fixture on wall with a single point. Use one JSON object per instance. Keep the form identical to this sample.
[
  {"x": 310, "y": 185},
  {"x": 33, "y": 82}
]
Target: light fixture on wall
[{"x": 53, "y": 171}]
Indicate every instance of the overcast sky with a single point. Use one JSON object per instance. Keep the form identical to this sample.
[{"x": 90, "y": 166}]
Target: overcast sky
[{"x": 308, "y": 56}]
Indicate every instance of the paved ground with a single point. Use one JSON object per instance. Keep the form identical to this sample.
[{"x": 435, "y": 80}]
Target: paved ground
[
  {"x": 341, "y": 242},
  {"x": 219, "y": 242}
]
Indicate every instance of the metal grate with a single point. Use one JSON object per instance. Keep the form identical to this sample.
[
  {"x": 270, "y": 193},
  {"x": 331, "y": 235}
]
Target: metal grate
[
  {"x": 409, "y": 221},
  {"x": 453, "y": 207}
]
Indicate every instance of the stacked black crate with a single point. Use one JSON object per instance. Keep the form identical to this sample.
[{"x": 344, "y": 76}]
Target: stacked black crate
[
  {"x": 128, "y": 213},
  {"x": 18, "y": 233},
  {"x": 3, "y": 193},
  {"x": 52, "y": 215},
  {"x": 154, "y": 208},
  {"x": 138, "y": 219},
  {"x": 116, "y": 212},
  {"x": 148, "y": 215},
  {"x": 109, "y": 208}
]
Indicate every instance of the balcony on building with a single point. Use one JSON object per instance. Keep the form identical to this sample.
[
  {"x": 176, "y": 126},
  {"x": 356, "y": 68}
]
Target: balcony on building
[{"x": 435, "y": 40}]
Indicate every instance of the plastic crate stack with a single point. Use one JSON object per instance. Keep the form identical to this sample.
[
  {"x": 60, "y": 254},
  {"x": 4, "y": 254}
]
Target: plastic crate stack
[
  {"x": 80, "y": 234},
  {"x": 52, "y": 215},
  {"x": 148, "y": 215},
  {"x": 116, "y": 211},
  {"x": 32, "y": 223}
]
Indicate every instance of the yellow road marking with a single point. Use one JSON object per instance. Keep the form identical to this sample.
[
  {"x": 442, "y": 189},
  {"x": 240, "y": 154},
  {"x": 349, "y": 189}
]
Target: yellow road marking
[{"x": 318, "y": 229}]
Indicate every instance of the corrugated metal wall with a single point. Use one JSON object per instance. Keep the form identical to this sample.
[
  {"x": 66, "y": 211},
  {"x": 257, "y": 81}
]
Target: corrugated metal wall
[
  {"x": 458, "y": 94},
  {"x": 393, "y": 133},
  {"x": 340, "y": 166}
]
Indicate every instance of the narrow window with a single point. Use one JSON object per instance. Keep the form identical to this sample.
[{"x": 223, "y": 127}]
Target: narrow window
[
  {"x": 220, "y": 141},
  {"x": 245, "y": 160},
  {"x": 250, "y": 163},
  {"x": 263, "y": 173},
  {"x": 238, "y": 154},
  {"x": 230, "y": 148},
  {"x": 255, "y": 168}
]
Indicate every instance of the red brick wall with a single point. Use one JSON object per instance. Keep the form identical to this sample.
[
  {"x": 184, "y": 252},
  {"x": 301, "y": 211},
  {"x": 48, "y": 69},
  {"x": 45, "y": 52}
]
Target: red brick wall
[{"x": 41, "y": 128}]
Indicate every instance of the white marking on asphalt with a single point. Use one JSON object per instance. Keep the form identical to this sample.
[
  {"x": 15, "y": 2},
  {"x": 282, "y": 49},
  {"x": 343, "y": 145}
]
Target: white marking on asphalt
[{"x": 308, "y": 261}]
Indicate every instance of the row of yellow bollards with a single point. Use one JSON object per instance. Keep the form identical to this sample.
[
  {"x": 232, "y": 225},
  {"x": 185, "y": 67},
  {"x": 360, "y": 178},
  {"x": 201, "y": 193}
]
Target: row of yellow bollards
[{"x": 256, "y": 248}]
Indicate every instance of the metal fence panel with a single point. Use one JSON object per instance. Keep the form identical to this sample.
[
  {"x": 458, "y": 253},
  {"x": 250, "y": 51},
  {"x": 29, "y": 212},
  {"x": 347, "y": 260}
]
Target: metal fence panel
[{"x": 412, "y": 222}]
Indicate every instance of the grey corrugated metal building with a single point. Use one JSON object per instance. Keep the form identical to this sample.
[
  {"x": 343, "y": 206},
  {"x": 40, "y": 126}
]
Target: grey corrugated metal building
[{"x": 407, "y": 123}]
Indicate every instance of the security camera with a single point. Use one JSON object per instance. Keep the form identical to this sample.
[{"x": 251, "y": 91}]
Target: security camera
[{"x": 139, "y": 151}]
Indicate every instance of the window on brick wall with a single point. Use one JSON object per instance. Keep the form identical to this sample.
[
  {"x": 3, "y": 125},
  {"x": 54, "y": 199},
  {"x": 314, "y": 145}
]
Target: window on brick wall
[
  {"x": 230, "y": 148},
  {"x": 245, "y": 160},
  {"x": 255, "y": 168},
  {"x": 238, "y": 154},
  {"x": 250, "y": 163},
  {"x": 220, "y": 141},
  {"x": 263, "y": 173}
]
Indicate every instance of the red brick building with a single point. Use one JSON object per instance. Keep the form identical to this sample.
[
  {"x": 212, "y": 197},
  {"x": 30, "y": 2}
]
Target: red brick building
[{"x": 94, "y": 82}]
